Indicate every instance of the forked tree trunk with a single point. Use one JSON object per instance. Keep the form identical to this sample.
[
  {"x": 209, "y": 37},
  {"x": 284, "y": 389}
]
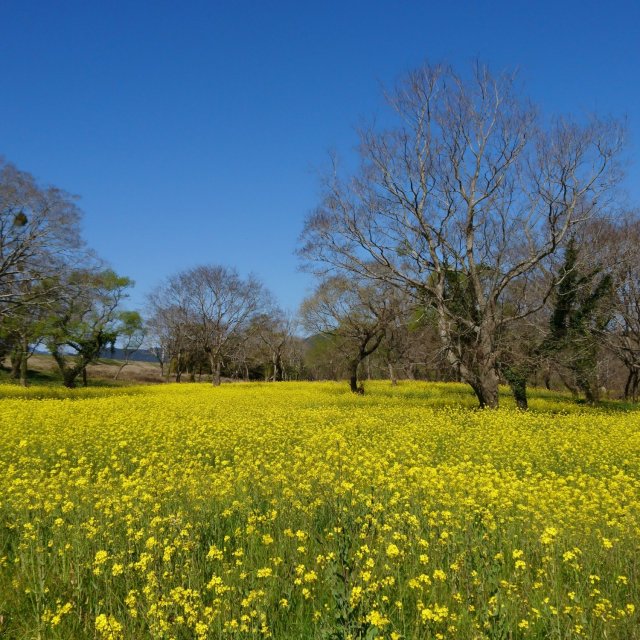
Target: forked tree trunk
[
  {"x": 568, "y": 384},
  {"x": 590, "y": 387},
  {"x": 475, "y": 362},
  {"x": 367, "y": 347},
  {"x": 69, "y": 373},
  {"x": 179, "y": 367},
  {"x": 486, "y": 390},
  {"x": 69, "y": 379}
]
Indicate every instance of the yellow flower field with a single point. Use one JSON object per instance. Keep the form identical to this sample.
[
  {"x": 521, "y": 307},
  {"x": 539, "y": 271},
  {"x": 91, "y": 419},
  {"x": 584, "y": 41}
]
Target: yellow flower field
[{"x": 297, "y": 510}]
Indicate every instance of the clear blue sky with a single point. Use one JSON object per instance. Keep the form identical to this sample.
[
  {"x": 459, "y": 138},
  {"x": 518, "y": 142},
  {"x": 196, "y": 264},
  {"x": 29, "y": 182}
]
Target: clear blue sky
[{"x": 193, "y": 131}]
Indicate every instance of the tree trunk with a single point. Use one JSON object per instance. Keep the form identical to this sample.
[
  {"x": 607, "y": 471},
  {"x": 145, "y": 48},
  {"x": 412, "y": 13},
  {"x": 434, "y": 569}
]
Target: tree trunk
[
  {"x": 69, "y": 374},
  {"x": 486, "y": 390},
  {"x": 16, "y": 364},
  {"x": 84, "y": 376},
  {"x": 392, "y": 375},
  {"x": 589, "y": 386},
  {"x": 627, "y": 386},
  {"x": 568, "y": 384},
  {"x": 631, "y": 386},
  {"x": 69, "y": 379},
  {"x": 474, "y": 361},
  {"x": 353, "y": 378},
  {"x": 119, "y": 371},
  {"x": 519, "y": 390},
  {"x": 216, "y": 368},
  {"x": 592, "y": 396},
  {"x": 24, "y": 368},
  {"x": 178, "y": 366},
  {"x": 517, "y": 380},
  {"x": 277, "y": 367}
]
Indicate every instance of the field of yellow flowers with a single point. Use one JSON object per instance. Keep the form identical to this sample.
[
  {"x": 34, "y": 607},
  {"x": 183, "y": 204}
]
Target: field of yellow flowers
[{"x": 298, "y": 510}]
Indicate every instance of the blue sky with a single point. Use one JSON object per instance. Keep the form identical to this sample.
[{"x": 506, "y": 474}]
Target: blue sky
[{"x": 194, "y": 132}]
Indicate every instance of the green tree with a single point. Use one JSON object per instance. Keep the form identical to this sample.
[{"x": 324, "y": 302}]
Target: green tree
[
  {"x": 85, "y": 320},
  {"x": 582, "y": 311},
  {"x": 131, "y": 334}
]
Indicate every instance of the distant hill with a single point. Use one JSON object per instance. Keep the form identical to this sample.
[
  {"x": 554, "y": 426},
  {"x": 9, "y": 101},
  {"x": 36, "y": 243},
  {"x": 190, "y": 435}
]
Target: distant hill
[
  {"x": 143, "y": 355},
  {"x": 43, "y": 370}
]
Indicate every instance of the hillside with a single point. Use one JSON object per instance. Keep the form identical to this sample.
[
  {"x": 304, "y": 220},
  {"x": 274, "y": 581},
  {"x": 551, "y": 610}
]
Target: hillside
[{"x": 43, "y": 370}]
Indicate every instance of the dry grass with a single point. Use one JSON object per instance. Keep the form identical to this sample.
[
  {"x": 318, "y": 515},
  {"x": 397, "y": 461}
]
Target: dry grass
[{"x": 43, "y": 369}]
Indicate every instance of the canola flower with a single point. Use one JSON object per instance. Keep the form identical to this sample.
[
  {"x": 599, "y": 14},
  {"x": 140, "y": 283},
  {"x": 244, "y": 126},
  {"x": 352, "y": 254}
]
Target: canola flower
[{"x": 298, "y": 510}]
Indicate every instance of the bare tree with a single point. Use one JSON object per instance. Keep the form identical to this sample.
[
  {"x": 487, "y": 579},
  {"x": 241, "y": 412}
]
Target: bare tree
[
  {"x": 356, "y": 316},
  {"x": 210, "y": 306},
  {"x": 403, "y": 320},
  {"x": 624, "y": 337},
  {"x": 171, "y": 328},
  {"x": 464, "y": 200},
  {"x": 39, "y": 228},
  {"x": 275, "y": 332}
]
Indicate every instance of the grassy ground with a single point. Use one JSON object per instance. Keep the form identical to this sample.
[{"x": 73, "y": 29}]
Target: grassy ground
[
  {"x": 43, "y": 372},
  {"x": 297, "y": 510}
]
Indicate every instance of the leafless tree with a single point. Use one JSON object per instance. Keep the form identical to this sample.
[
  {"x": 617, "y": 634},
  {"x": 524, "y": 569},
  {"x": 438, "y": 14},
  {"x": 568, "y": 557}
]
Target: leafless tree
[
  {"x": 356, "y": 316},
  {"x": 275, "y": 336},
  {"x": 39, "y": 228},
  {"x": 465, "y": 199},
  {"x": 170, "y": 328},
  {"x": 211, "y": 307},
  {"x": 622, "y": 244}
]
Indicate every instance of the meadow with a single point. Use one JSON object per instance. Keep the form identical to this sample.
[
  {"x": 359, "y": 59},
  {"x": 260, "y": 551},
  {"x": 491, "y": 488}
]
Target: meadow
[{"x": 298, "y": 510}]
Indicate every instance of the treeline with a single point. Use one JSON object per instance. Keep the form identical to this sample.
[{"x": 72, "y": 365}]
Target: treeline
[
  {"x": 584, "y": 335},
  {"x": 477, "y": 241},
  {"x": 210, "y": 323}
]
